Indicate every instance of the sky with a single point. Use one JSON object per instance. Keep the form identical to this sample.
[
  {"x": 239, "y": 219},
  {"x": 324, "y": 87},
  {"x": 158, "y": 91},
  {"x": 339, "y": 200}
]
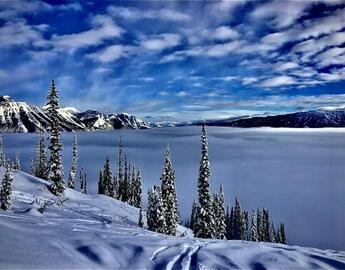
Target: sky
[{"x": 175, "y": 60}]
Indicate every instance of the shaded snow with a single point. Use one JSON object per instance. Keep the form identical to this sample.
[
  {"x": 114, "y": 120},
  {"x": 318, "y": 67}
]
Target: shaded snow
[{"x": 94, "y": 231}]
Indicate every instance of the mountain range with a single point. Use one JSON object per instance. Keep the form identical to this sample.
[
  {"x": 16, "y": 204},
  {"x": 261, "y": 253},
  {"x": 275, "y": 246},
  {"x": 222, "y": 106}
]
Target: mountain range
[{"x": 22, "y": 117}]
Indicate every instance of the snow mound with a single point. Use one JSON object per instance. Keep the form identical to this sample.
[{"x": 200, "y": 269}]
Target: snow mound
[{"x": 81, "y": 231}]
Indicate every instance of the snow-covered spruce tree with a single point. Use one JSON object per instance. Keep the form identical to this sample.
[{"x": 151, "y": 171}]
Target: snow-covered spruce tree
[
  {"x": 253, "y": 227},
  {"x": 73, "y": 172},
  {"x": 238, "y": 221},
  {"x": 272, "y": 233},
  {"x": 155, "y": 210},
  {"x": 266, "y": 225},
  {"x": 6, "y": 189},
  {"x": 83, "y": 181},
  {"x": 107, "y": 179},
  {"x": 193, "y": 215},
  {"x": 244, "y": 225},
  {"x": 40, "y": 163},
  {"x": 2, "y": 159},
  {"x": 141, "y": 218},
  {"x": 100, "y": 183},
  {"x": 230, "y": 225},
  {"x": 120, "y": 176},
  {"x": 115, "y": 187},
  {"x": 205, "y": 218},
  {"x": 16, "y": 166},
  {"x": 137, "y": 190},
  {"x": 283, "y": 239},
  {"x": 220, "y": 225},
  {"x": 169, "y": 196},
  {"x": 126, "y": 192},
  {"x": 56, "y": 169}
]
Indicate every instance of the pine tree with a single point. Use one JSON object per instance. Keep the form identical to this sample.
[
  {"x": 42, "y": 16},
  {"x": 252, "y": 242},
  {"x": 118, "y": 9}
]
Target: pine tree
[
  {"x": 244, "y": 228},
  {"x": 254, "y": 228},
  {"x": 272, "y": 233},
  {"x": 6, "y": 189},
  {"x": 125, "y": 187},
  {"x": 2, "y": 159},
  {"x": 283, "y": 239},
  {"x": 83, "y": 181},
  {"x": 221, "y": 225},
  {"x": 120, "y": 177},
  {"x": 137, "y": 190},
  {"x": 169, "y": 196},
  {"x": 155, "y": 211},
  {"x": 266, "y": 225},
  {"x": 100, "y": 183},
  {"x": 205, "y": 218},
  {"x": 72, "y": 174},
  {"x": 193, "y": 216},
  {"x": 141, "y": 220},
  {"x": 231, "y": 226},
  {"x": 115, "y": 187},
  {"x": 238, "y": 221},
  {"x": 40, "y": 167},
  {"x": 107, "y": 179},
  {"x": 55, "y": 147},
  {"x": 17, "y": 162}
]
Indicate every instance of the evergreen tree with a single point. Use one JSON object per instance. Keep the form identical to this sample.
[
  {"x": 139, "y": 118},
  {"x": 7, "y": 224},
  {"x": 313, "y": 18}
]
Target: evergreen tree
[
  {"x": 137, "y": 190},
  {"x": 115, "y": 187},
  {"x": 205, "y": 218},
  {"x": 83, "y": 181},
  {"x": 254, "y": 228},
  {"x": 244, "y": 228},
  {"x": 283, "y": 239},
  {"x": 72, "y": 174},
  {"x": 55, "y": 147},
  {"x": 6, "y": 189},
  {"x": 221, "y": 225},
  {"x": 17, "y": 162},
  {"x": 238, "y": 221},
  {"x": 107, "y": 179},
  {"x": 141, "y": 220},
  {"x": 40, "y": 167},
  {"x": 100, "y": 183},
  {"x": 266, "y": 225},
  {"x": 193, "y": 215},
  {"x": 230, "y": 226},
  {"x": 155, "y": 210},
  {"x": 2, "y": 159},
  {"x": 272, "y": 233},
  {"x": 120, "y": 176},
  {"x": 169, "y": 196}
]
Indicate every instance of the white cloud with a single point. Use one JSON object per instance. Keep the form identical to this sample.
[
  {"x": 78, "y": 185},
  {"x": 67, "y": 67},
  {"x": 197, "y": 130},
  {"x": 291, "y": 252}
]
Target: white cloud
[
  {"x": 281, "y": 66},
  {"x": 221, "y": 33},
  {"x": 163, "y": 93},
  {"x": 18, "y": 32},
  {"x": 278, "y": 81},
  {"x": 103, "y": 28},
  {"x": 160, "y": 42},
  {"x": 182, "y": 94},
  {"x": 249, "y": 80},
  {"x": 136, "y": 14},
  {"x": 112, "y": 53},
  {"x": 282, "y": 13}
]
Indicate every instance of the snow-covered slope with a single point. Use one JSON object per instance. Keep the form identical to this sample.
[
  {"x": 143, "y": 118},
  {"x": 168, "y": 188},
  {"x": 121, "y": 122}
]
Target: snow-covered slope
[
  {"x": 95, "y": 120},
  {"x": 94, "y": 231},
  {"x": 22, "y": 117}
]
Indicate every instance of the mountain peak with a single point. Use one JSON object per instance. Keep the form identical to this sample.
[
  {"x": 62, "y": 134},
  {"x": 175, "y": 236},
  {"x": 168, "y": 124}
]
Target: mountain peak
[{"x": 5, "y": 98}]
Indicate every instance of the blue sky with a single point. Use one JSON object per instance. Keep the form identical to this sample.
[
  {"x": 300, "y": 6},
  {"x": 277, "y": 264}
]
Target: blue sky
[{"x": 176, "y": 59}]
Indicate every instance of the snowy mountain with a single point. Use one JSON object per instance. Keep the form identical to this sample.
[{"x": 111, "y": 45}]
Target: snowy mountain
[
  {"x": 95, "y": 120},
  {"x": 22, "y": 117},
  {"x": 309, "y": 119},
  {"x": 94, "y": 231}
]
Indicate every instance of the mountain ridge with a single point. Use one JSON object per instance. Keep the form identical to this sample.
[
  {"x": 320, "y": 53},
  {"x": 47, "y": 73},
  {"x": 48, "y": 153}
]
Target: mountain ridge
[{"x": 22, "y": 117}]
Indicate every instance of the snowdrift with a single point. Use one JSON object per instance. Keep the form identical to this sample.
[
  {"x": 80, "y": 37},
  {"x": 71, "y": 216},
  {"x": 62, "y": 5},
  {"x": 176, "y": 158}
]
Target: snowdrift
[{"x": 92, "y": 231}]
